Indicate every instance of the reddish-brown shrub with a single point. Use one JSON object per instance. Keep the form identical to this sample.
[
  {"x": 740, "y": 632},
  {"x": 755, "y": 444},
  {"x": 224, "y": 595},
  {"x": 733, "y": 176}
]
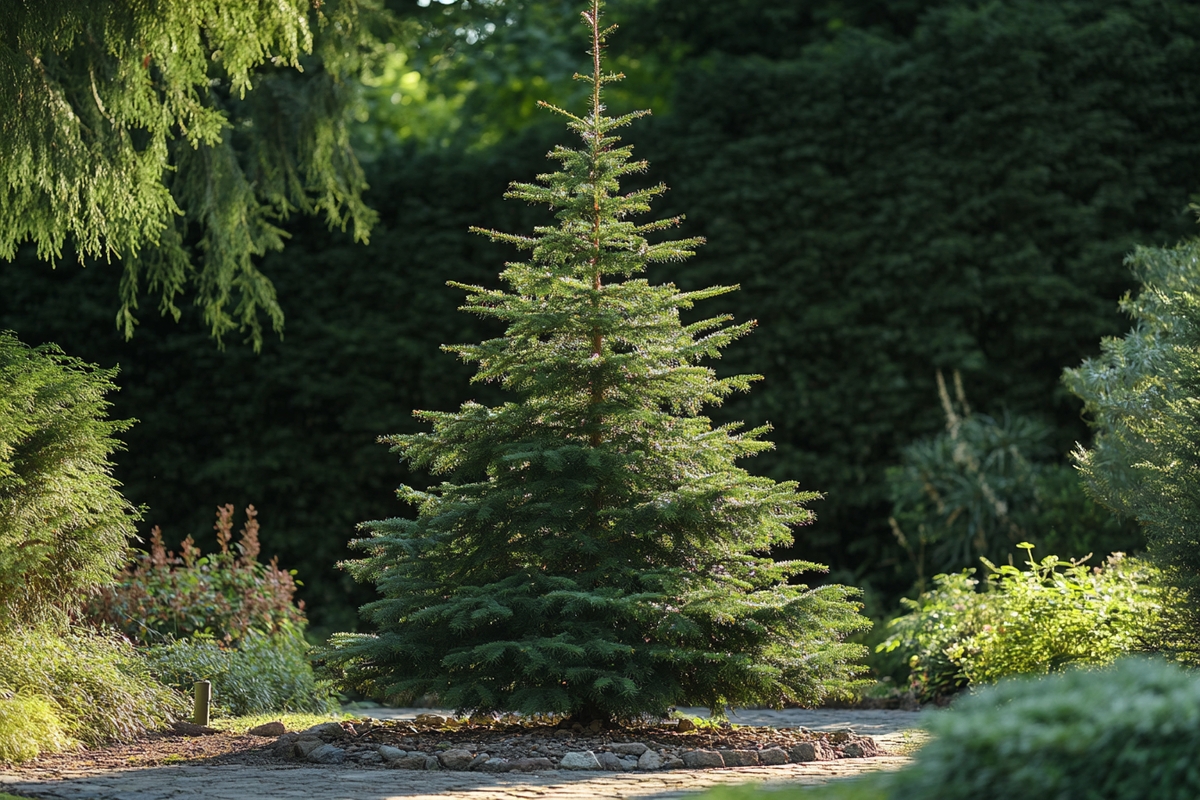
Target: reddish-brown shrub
[{"x": 162, "y": 596}]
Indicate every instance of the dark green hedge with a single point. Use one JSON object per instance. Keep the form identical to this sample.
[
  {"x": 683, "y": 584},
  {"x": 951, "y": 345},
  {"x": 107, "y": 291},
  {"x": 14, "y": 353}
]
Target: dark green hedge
[{"x": 960, "y": 197}]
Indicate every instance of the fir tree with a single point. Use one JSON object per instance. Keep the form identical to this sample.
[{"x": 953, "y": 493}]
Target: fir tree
[
  {"x": 175, "y": 136},
  {"x": 594, "y": 549}
]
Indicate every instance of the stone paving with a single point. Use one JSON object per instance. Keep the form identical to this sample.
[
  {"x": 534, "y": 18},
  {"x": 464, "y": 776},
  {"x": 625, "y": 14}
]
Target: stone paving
[{"x": 307, "y": 782}]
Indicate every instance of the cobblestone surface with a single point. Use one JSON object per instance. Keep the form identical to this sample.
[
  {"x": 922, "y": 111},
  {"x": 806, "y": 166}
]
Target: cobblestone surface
[{"x": 337, "y": 782}]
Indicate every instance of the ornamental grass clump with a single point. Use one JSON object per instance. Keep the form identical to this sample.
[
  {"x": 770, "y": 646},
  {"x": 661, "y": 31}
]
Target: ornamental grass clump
[
  {"x": 29, "y": 724},
  {"x": 593, "y": 548},
  {"x": 100, "y": 686}
]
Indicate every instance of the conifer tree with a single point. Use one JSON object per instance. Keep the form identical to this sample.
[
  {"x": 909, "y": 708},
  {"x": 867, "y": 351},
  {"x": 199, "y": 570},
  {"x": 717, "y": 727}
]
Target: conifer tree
[{"x": 594, "y": 549}]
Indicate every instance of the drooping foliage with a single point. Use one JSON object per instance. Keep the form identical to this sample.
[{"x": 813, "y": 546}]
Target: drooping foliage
[
  {"x": 593, "y": 548},
  {"x": 63, "y": 520},
  {"x": 174, "y": 136},
  {"x": 1141, "y": 396}
]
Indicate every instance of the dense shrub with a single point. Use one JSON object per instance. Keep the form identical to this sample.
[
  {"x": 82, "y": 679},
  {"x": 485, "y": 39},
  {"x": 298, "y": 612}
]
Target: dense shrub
[
  {"x": 1127, "y": 732},
  {"x": 63, "y": 522},
  {"x": 225, "y": 595},
  {"x": 1141, "y": 394},
  {"x": 1051, "y": 615},
  {"x": 985, "y": 484},
  {"x": 262, "y": 674},
  {"x": 100, "y": 686},
  {"x": 223, "y": 617}
]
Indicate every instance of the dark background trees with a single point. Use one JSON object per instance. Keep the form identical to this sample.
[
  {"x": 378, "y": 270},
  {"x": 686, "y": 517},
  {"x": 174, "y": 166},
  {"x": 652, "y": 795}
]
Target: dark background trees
[{"x": 897, "y": 188}]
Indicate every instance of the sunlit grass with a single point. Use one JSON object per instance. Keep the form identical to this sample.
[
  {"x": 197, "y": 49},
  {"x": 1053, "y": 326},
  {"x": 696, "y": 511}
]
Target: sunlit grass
[{"x": 293, "y": 722}]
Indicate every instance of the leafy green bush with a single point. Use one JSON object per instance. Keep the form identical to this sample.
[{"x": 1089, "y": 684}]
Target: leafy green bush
[
  {"x": 29, "y": 724},
  {"x": 63, "y": 522},
  {"x": 262, "y": 674},
  {"x": 1036, "y": 620},
  {"x": 1140, "y": 395},
  {"x": 226, "y": 595},
  {"x": 985, "y": 484},
  {"x": 100, "y": 685}
]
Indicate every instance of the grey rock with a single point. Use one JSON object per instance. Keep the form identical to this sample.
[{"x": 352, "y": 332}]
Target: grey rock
[
  {"x": 803, "y": 752},
  {"x": 366, "y": 757},
  {"x": 456, "y": 759},
  {"x": 432, "y": 763},
  {"x": 495, "y": 765},
  {"x": 860, "y": 747},
  {"x": 410, "y": 761},
  {"x": 325, "y": 730},
  {"x": 327, "y": 754},
  {"x": 478, "y": 761},
  {"x": 284, "y": 743},
  {"x": 389, "y": 753},
  {"x": 629, "y": 748},
  {"x": 700, "y": 759},
  {"x": 629, "y": 761},
  {"x": 530, "y": 764},
  {"x": 305, "y": 745},
  {"x": 579, "y": 760},
  {"x": 430, "y": 719},
  {"x": 772, "y": 756},
  {"x": 268, "y": 729},
  {"x": 610, "y": 762},
  {"x": 740, "y": 758},
  {"x": 650, "y": 761},
  {"x": 673, "y": 763}
]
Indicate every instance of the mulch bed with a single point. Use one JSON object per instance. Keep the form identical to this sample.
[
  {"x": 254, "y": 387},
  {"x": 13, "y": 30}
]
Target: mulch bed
[{"x": 188, "y": 744}]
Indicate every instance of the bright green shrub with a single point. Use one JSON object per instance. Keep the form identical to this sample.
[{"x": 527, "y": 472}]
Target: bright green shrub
[
  {"x": 1038, "y": 620},
  {"x": 29, "y": 724},
  {"x": 226, "y": 595},
  {"x": 63, "y": 522},
  {"x": 100, "y": 685},
  {"x": 1140, "y": 394},
  {"x": 262, "y": 674}
]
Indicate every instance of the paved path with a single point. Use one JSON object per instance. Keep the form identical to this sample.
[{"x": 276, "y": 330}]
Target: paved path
[{"x": 287, "y": 782}]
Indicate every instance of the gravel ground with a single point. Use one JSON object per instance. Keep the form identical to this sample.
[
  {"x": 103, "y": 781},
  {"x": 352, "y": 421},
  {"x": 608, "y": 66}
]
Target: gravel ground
[{"x": 228, "y": 766}]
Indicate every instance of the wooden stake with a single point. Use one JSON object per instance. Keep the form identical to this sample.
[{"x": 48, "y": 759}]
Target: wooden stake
[{"x": 203, "y": 700}]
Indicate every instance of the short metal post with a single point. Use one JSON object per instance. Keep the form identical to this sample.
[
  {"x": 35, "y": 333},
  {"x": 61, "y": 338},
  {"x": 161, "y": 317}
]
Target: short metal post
[{"x": 202, "y": 703}]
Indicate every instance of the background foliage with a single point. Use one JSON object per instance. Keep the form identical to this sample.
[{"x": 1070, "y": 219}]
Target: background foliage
[{"x": 897, "y": 187}]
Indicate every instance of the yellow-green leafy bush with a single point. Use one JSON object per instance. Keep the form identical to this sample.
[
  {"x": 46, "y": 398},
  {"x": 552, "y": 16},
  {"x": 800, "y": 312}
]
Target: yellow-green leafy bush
[{"x": 1035, "y": 620}]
